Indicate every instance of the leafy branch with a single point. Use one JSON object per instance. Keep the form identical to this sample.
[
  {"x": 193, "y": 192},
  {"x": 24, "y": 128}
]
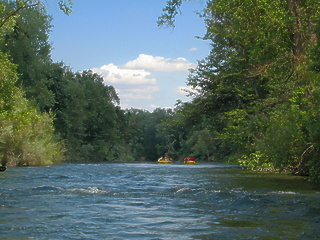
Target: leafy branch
[{"x": 23, "y": 5}]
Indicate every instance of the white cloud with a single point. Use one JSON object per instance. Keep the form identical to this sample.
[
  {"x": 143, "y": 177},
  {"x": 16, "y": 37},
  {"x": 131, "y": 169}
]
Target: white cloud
[
  {"x": 153, "y": 106},
  {"x": 148, "y": 89},
  {"x": 132, "y": 96},
  {"x": 136, "y": 83},
  {"x": 194, "y": 49},
  {"x": 138, "y": 93},
  {"x": 159, "y": 64},
  {"x": 113, "y": 74}
]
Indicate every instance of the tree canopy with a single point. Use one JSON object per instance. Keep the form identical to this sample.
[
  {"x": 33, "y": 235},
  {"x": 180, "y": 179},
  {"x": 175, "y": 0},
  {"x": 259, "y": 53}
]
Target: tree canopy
[{"x": 257, "y": 89}]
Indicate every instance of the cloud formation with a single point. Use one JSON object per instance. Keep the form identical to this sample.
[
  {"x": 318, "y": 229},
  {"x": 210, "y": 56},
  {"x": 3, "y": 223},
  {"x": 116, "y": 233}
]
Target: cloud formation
[
  {"x": 136, "y": 82},
  {"x": 132, "y": 96},
  {"x": 113, "y": 74},
  {"x": 159, "y": 64},
  {"x": 148, "y": 89},
  {"x": 144, "y": 92}
]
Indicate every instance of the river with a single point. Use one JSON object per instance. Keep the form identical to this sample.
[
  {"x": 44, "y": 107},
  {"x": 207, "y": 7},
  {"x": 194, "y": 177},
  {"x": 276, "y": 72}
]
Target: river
[{"x": 150, "y": 201}]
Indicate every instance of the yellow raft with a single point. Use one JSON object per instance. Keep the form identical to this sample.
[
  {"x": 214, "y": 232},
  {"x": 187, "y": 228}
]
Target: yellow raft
[
  {"x": 189, "y": 160},
  {"x": 165, "y": 160}
]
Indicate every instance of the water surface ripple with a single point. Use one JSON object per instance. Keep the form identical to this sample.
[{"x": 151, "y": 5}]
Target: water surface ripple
[{"x": 150, "y": 201}]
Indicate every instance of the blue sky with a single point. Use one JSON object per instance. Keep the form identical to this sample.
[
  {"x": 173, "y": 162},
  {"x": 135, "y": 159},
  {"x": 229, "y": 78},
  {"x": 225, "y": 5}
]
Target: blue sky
[{"x": 120, "y": 40}]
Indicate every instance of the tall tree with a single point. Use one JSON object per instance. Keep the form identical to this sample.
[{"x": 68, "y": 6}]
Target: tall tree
[
  {"x": 260, "y": 80},
  {"x": 29, "y": 48},
  {"x": 26, "y": 136}
]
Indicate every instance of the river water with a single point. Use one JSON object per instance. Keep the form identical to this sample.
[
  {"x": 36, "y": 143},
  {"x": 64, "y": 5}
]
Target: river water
[{"x": 150, "y": 201}]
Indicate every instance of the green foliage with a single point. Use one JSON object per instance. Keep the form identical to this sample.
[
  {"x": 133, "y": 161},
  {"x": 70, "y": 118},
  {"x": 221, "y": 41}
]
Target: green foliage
[
  {"x": 257, "y": 93},
  {"x": 201, "y": 144},
  {"x": 6, "y": 23},
  {"x": 65, "y": 6},
  {"x": 283, "y": 140},
  {"x": 8, "y": 78},
  {"x": 149, "y": 135},
  {"x": 256, "y": 161},
  {"x": 28, "y": 47},
  {"x": 26, "y": 136},
  {"x": 169, "y": 13},
  {"x": 86, "y": 115}
]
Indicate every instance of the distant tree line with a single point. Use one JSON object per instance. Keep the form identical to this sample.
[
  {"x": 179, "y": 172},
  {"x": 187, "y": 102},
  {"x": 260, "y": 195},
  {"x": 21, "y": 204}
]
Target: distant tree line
[{"x": 256, "y": 96}]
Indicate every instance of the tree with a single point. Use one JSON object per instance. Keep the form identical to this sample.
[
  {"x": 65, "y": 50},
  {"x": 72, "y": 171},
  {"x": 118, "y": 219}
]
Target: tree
[
  {"x": 86, "y": 114},
  {"x": 26, "y": 136},
  {"x": 260, "y": 81},
  {"x": 28, "y": 47},
  {"x": 8, "y": 17}
]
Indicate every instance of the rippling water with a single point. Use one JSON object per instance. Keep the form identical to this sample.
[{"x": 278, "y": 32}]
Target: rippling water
[{"x": 150, "y": 201}]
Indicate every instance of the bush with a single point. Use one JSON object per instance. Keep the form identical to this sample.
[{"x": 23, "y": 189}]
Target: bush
[{"x": 26, "y": 136}]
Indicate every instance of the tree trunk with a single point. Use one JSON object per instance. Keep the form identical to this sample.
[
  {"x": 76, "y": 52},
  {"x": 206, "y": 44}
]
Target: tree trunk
[{"x": 296, "y": 30}]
